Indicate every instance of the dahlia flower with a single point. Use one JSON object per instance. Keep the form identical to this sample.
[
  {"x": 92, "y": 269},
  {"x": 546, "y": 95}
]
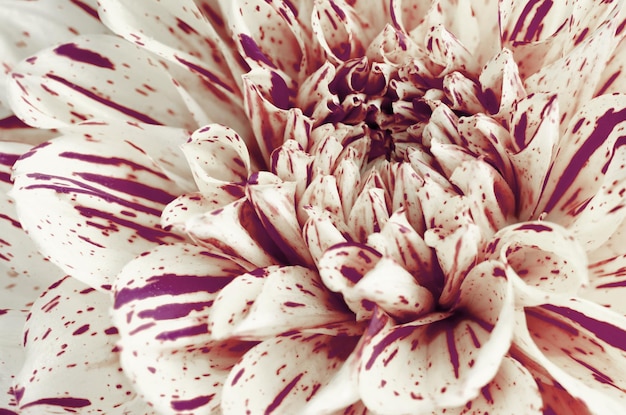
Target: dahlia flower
[{"x": 327, "y": 207}]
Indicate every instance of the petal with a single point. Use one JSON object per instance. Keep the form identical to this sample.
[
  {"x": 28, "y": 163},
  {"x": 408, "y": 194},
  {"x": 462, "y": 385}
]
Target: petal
[
  {"x": 544, "y": 259},
  {"x": 274, "y": 300},
  {"x": 28, "y": 27},
  {"x": 55, "y": 87},
  {"x": 24, "y": 272},
  {"x": 441, "y": 360},
  {"x": 235, "y": 231},
  {"x": 102, "y": 208},
  {"x": 581, "y": 345},
  {"x": 500, "y": 80},
  {"x": 268, "y": 34},
  {"x": 320, "y": 233},
  {"x": 69, "y": 336},
  {"x": 12, "y": 356},
  {"x": 182, "y": 209},
  {"x": 583, "y": 155},
  {"x": 280, "y": 375},
  {"x": 162, "y": 301}
]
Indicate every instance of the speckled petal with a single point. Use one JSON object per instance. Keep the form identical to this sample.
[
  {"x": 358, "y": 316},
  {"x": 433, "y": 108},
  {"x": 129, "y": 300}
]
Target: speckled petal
[
  {"x": 583, "y": 155},
  {"x": 582, "y": 346},
  {"x": 29, "y": 26},
  {"x": 161, "y": 305},
  {"x": 12, "y": 356},
  {"x": 280, "y": 375},
  {"x": 103, "y": 202},
  {"x": 274, "y": 300},
  {"x": 54, "y": 88},
  {"x": 544, "y": 260},
  {"x": 24, "y": 272},
  {"x": 441, "y": 361},
  {"x": 70, "y": 336},
  {"x": 500, "y": 81}
]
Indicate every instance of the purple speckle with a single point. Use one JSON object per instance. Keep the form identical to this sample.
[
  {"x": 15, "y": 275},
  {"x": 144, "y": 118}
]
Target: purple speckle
[
  {"x": 72, "y": 51},
  {"x": 81, "y": 330},
  {"x": 190, "y": 404}
]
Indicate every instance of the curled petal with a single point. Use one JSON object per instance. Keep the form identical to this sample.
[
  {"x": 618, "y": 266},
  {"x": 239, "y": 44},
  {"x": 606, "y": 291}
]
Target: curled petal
[
  {"x": 271, "y": 380},
  {"x": 581, "y": 345},
  {"x": 102, "y": 208},
  {"x": 81, "y": 350},
  {"x": 500, "y": 80},
  {"x": 445, "y": 50},
  {"x": 320, "y": 233},
  {"x": 54, "y": 89},
  {"x": 544, "y": 260},
  {"x": 189, "y": 205},
  {"x": 274, "y": 300}
]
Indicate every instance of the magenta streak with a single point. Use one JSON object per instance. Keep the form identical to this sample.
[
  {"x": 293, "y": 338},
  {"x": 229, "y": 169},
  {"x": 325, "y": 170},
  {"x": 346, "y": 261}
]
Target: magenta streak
[
  {"x": 454, "y": 353},
  {"x": 87, "y": 8},
  {"x": 7, "y": 159},
  {"x": 530, "y": 312},
  {"x": 118, "y": 107},
  {"x": 398, "y": 333},
  {"x": 89, "y": 241},
  {"x": 72, "y": 51},
  {"x": 64, "y": 402},
  {"x": 10, "y": 219},
  {"x": 190, "y": 404},
  {"x": 171, "y": 284},
  {"x": 5, "y": 177},
  {"x": 130, "y": 187},
  {"x": 111, "y": 161},
  {"x": 174, "y": 335},
  {"x": 237, "y": 376},
  {"x": 534, "y": 227},
  {"x": 613, "y": 284},
  {"x": 173, "y": 311},
  {"x": 487, "y": 394},
  {"x": 612, "y": 335},
  {"x": 283, "y": 394},
  {"x": 520, "y": 22},
  {"x": 83, "y": 188},
  {"x": 284, "y": 244},
  {"x": 152, "y": 234},
  {"x": 7, "y": 412},
  {"x": 519, "y": 132},
  {"x": 605, "y": 125},
  {"x": 185, "y": 27},
  {"x": 597, "y": 375},
  {"x": 206, "y": 73},
  {"x": 252, "y": 50},
  {"x": 82, "y": 329}
]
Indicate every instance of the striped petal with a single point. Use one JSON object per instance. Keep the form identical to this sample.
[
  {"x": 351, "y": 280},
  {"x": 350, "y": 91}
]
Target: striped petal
[
  {"x": 54, "y": 88},
  {"x": 103, "y": 201},
  {"x": 274, "y": 300},
  {"x": 581, "y": 345},
  {"x": 280, "y": 375},
  {"x": 29, "y": 26},
  {"x": 161, "y": 306},
  {"x": 439, "y": 360},
  {"x": 24, "y": 272},
  {"x": 583, "y": 155},
  {"x": 70, "y": 336}
]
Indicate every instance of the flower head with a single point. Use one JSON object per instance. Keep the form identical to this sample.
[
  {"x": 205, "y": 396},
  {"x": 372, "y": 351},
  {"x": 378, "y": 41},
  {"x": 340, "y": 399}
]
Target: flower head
[{"x": 340, "y": 207}]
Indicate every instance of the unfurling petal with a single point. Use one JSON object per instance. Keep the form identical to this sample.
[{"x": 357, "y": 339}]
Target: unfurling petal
[
  {"x": 282, "y": 374},
  {"x": 161, "y": 305},
  {"x": 53, "y": 89},
  {"x": 69, "y": 336},
  {"x": 103, "y": 200}
]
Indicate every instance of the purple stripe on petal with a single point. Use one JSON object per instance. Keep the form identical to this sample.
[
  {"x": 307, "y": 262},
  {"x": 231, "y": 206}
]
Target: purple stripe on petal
[
  {"x": 172, "y": 311},
  {"x": 283, "y": 394},
  {"x": 72, "y": 51},
  {"x": 10, "y": 219},
  {"x": 534, "y": 227},
  {"x": 129, "y": 187},
  {"x": 612, "y": 335},
  {"x": 190, "y": 404},
  {"x": 118, "y": 107},
  {"x": 87, "y": 8},
  {"x": 64, "y": 402},
  {"x": 204, "y": 72},
  {"x": 186, "y": 332},
  {"x": 252, "y": 50},
  {"x": 110, "y": 161}
]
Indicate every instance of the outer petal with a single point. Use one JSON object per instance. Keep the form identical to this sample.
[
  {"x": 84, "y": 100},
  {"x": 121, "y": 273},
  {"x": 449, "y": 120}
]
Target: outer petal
[
  {"x": 55, "y": 87},
  {"x": 582, "y": 346},
  {"x": 103, "y": 201},
  {"x": 29, "y": 26},
  {"x": 12, "y": 356},
  {"x": 69, "y": 336},
  {"x": 161, "y": 306},
  {"x": 280, "y": 375},
  {"x": 24, "y": 272}
]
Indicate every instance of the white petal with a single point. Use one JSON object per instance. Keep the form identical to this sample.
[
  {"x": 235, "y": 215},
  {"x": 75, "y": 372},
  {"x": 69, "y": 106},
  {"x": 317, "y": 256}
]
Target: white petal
[{"x": 11, "y": 357}]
